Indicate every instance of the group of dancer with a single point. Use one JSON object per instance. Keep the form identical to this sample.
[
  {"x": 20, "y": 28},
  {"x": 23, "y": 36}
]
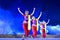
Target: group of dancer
[{"x": 27, "y": 24}]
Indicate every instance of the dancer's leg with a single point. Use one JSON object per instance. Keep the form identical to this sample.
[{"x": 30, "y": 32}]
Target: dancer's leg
[
  {"x": 34, "y": 30},
  {"x": 25, "y": 29},
  {"x": 43, "y": 33}
]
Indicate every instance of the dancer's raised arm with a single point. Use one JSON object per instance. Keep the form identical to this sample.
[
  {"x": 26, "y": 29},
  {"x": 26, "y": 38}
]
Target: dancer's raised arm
[
  {"x": 39, "y": 15},
  {"x": 33, "y": 12},
  {"x": 20, "y": 11},
  {"x": 48, "y": 21}
]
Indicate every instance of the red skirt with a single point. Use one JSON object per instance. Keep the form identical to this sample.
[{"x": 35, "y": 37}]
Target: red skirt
[
  {"x": 25, "y": 27},
  {"x": 43, "y": 33},
  {"x": 34, "y": 30}
]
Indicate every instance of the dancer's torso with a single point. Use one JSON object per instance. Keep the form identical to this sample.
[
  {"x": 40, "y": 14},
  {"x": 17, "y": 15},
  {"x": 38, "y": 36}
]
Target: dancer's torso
[
  {"x": 42, "y": 25},
  {"x": 25, "y": 17},
  {"x": 34, "y": 22}
]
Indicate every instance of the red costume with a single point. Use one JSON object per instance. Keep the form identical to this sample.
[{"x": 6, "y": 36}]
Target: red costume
[
  {"x": 43, "y": 30},
  {"x": 34, "y": 28},
  {"x": 25, "y": 25}
]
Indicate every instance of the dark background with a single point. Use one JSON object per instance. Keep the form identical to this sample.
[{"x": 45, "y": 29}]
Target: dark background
[
  {"x": 10, "y": 14},
  {"x": 50, "y": 8}
]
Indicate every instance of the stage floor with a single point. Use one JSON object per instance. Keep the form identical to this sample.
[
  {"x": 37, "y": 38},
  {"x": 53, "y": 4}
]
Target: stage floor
[{"x": 22, "y": 36}]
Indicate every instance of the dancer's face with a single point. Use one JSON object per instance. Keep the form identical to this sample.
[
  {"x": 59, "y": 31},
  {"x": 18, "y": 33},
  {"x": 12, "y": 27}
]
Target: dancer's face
[
  {"x": 41, "y": 25},
  {"x": 33, "y": 18},
  {"x": 44, "y": 22},
  {"x": 26, "y": 12}
]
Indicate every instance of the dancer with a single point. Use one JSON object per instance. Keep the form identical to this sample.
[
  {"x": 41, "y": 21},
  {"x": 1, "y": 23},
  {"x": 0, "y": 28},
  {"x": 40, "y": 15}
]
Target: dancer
[
  {"x": 26, "y": 22},
  {"x": 43, "y": 28},
  {"x": 35, "y": 25}
]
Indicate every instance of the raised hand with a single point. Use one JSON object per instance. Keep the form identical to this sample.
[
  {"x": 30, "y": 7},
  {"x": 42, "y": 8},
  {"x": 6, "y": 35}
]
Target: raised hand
[
  {"x": 20, "y": 11},
  {"x": 48, "y": 21},
  {"x": 39, "y": 15},
  {"x": 33, "y": 11}
]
